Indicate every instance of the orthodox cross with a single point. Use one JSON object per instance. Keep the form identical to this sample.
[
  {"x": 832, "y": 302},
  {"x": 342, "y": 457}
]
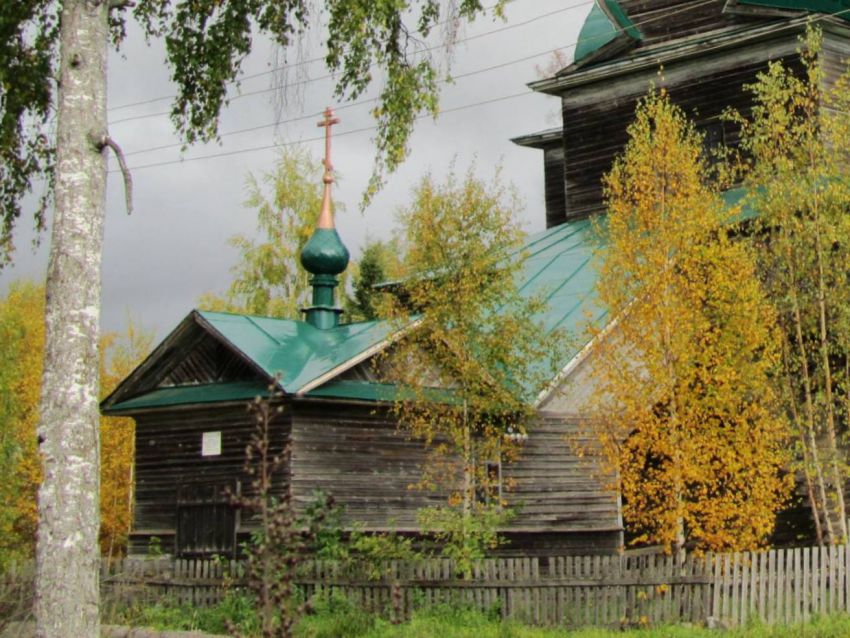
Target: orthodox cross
[{"x": 328, "y": 121}]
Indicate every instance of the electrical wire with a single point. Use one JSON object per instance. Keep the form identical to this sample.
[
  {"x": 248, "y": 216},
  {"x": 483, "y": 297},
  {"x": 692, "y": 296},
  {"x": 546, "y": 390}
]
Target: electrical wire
[
  {"x": 364, "y": 129},
  {"x": 372, "y": 128},
  {"x": 513, "y": 25},
  {"x": 374, "y": 100}
]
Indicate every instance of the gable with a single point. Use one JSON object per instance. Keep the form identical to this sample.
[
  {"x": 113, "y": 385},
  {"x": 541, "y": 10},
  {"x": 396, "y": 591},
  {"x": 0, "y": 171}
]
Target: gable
[
  {"x": 211, "y": 361},
  {"x": 188, "y": 360}
]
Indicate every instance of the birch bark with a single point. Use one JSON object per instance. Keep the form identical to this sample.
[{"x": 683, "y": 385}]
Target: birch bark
[{"x": 67, "y": 596}]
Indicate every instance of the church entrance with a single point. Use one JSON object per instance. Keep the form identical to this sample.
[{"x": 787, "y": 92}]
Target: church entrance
[{"x": 206, "y": 519}]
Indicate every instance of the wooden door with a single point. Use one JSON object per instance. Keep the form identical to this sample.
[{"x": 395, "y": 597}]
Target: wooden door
[{"x": 206, "y": 520}]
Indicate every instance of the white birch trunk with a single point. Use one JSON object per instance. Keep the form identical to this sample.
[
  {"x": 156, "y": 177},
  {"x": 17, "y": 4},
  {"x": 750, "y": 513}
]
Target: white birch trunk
[{"x": 67, "y": 595}]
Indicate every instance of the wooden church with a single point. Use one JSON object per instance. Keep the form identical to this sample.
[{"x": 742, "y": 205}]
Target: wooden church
[{"x": 189, "y": 396}]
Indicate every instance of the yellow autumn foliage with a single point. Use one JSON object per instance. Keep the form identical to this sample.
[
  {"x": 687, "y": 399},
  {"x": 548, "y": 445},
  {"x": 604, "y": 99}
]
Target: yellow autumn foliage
[
  {"x": 795, "y": 145},
  {"x": 120, "y": 354},
  {"x": 21, "y": 354},
  {"x": 466, "y": 369},
  {"x": 21, "y": 347},
  {"x": 685, "y": 410}
]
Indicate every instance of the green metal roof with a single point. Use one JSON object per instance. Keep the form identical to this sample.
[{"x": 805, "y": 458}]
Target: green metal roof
[
  {"x": 557, "y": 267},
  {"x": 295, "y": 351},
  {"x": 605, "y": 23},
  {"x": 349, "y": 389},
  {"x": 369, "y": 391},
  {"x": 192, "y": 394}
]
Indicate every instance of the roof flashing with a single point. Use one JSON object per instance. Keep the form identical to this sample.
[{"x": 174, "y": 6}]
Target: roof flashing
[{"x": 606, "y": 31}]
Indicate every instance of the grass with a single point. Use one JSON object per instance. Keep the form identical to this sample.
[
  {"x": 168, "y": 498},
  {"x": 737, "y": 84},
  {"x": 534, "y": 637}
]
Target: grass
[{"x": 338, "y": 618}]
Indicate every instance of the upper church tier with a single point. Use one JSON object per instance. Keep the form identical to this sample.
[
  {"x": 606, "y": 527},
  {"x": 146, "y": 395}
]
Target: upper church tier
[{"x": 702, "y": 51}]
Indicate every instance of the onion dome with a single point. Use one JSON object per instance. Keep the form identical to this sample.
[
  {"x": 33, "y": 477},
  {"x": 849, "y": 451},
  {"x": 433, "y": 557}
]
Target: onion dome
[{"x": 324, "y": 255}]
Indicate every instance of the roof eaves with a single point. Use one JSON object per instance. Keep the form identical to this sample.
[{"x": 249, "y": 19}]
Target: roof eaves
[
  {"x": 785, "y": 8},
  {"x": 652, "y": 56},
  {"x": 541, "y": 139},
  {"x": 201, "y": 394}
]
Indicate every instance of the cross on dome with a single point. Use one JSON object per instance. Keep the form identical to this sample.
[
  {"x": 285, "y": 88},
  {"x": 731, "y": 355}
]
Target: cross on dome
[{"x": 328, "y": 121}]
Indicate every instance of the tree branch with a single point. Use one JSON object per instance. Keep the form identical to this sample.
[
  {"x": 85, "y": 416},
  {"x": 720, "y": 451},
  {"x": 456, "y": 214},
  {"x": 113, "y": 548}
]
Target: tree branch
[{"x": 125, "y": 171}]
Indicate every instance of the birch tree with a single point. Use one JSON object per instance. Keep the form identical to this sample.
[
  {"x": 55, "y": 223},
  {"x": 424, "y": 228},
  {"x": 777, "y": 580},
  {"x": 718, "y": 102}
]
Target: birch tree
[
  {"x": 469, "y": 369},
  {"x": 795, "y": 155},
  {"x": 206, "y": 43},
  {"x": 685, "y": 409}
]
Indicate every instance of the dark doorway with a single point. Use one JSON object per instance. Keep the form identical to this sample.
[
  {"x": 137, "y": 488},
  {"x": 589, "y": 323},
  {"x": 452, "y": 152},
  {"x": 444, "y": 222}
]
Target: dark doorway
[{"x": 206, "y": 519}]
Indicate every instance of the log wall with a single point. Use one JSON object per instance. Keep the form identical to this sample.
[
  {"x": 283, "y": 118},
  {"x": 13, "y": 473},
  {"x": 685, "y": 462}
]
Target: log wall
[
  {"x": 355, "y": 453},
  {"x": 168, "y": 456},
  {"x": 595, "y": 131}
]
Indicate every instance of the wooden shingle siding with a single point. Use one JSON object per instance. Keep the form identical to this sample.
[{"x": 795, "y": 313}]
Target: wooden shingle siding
[
  {"x": 168, "y": 455},
  {"x": 595, "y": 131},
  {"x": 556, "y": 490},
  {"x": 356, "y": 454}
]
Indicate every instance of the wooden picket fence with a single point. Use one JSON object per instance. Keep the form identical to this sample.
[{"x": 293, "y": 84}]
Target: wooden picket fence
[{"x": 777, "y": 586}]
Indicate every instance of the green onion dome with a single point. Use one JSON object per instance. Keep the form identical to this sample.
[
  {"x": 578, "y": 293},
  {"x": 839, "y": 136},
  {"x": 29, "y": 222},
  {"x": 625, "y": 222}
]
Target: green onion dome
[{"x": 324, "y": 253}]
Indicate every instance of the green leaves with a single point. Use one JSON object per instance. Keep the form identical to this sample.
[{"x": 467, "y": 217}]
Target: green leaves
[
  {"x": 367, "y": 41},
  {"x": 28, "y": 41},
  {"x": 476, "y": 336},
  {"x": 797, "y": 145},
  {"x": 206, "y": 41}
]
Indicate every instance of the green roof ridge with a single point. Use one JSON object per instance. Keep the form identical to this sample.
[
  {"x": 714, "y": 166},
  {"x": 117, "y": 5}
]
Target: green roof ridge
[{"x": 605, "y": 23}]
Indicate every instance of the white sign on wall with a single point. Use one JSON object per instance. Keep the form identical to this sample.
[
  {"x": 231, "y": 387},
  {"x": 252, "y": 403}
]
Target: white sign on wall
[{"x": 211, "y": 443}]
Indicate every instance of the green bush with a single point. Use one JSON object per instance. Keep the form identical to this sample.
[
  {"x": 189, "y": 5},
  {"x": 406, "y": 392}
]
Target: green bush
[
  {"x": 335, "y": 617},
  {"x": 235, "y": 608}
]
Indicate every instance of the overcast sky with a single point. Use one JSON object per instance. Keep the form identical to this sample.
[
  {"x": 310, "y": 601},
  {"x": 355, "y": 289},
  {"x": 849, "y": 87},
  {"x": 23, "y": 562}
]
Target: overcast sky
[{"x": 173, "y": 248}]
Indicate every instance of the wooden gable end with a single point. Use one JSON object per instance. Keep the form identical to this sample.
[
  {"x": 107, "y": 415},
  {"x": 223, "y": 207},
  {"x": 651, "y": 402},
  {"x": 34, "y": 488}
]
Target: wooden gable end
[
  {"x": 210, "y": 361},
  {"x": 191, "y": 355}
]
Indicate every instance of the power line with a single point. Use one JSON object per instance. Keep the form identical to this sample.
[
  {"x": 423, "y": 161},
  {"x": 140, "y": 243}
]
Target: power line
[
  {"x": 372, "y": 128},
  {"x": 373, "y": 100},
  {"x": 462, "y": 75},
  {"x": 320, "y": 59},
  {"x": 364, "y": 129}
]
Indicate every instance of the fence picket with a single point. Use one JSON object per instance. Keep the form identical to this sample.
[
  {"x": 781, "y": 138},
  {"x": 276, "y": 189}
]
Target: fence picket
[
  {"x": 824, "y": 572},
  {"x": 786, "y": 585}
]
